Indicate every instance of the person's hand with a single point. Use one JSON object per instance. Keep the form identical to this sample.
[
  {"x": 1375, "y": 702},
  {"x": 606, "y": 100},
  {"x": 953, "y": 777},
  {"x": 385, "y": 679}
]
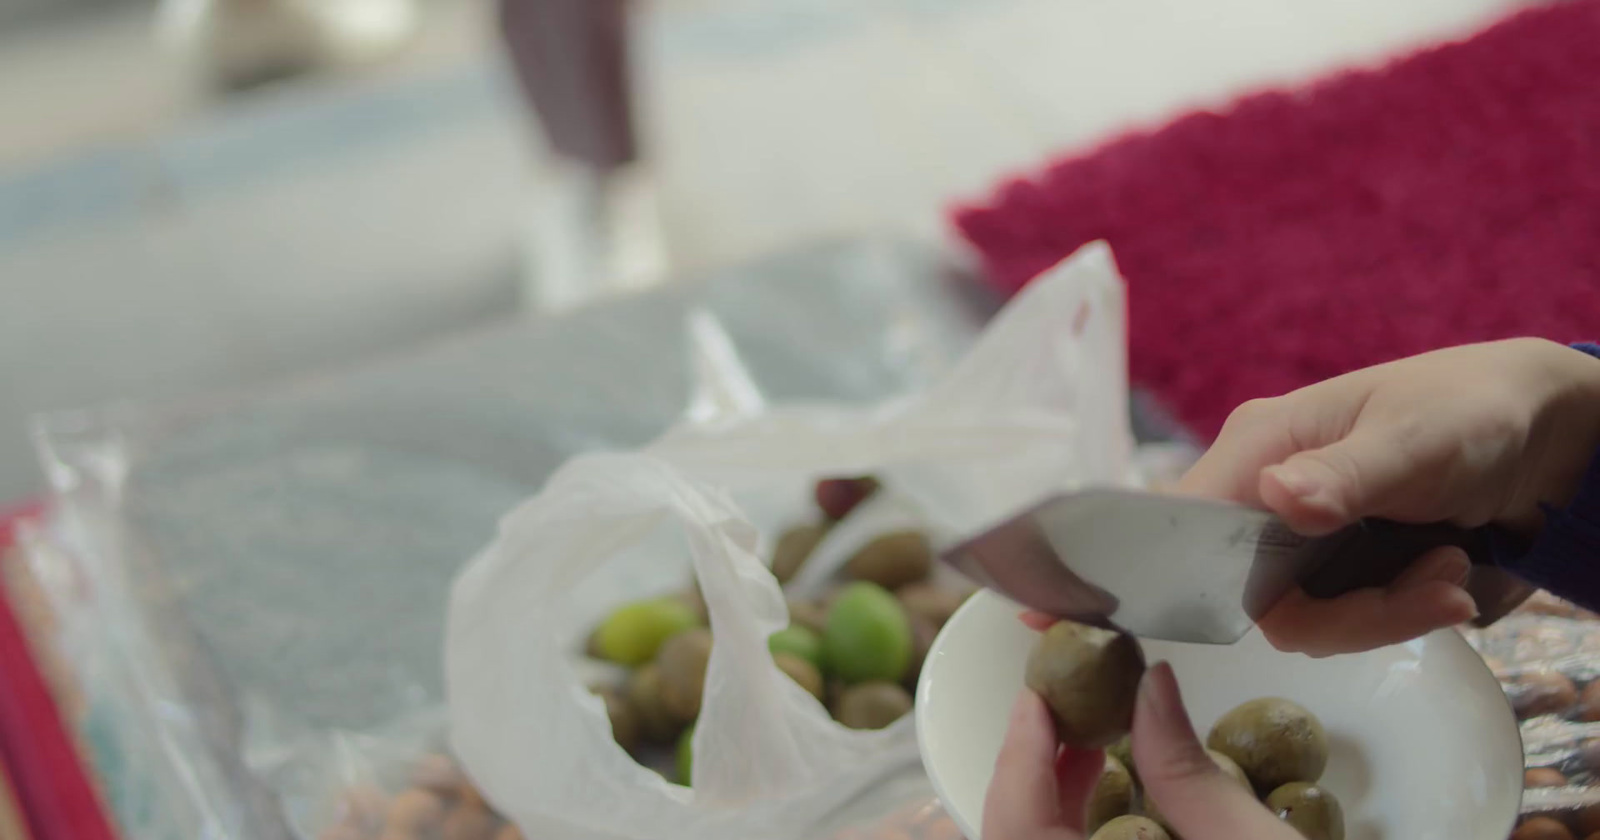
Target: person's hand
[
  {"x": 1471, "y": 435},
  {"x": 1040, "y": 790}
]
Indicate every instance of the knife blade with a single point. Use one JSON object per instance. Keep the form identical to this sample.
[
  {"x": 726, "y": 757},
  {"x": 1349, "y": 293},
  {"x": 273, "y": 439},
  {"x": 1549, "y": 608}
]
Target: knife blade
[{"x": 1189, "y": 569}]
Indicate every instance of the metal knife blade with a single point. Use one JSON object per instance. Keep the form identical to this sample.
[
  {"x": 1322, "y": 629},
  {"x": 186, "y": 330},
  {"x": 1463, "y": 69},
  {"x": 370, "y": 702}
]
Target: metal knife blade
[{"x": 1195, "y": 570}]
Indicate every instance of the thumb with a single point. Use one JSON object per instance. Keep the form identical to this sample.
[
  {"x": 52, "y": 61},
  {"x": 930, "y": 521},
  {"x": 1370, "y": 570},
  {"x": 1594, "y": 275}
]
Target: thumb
[
  {"x": 1319, "y": 491},
  {"x": 1199, "y": 800}
]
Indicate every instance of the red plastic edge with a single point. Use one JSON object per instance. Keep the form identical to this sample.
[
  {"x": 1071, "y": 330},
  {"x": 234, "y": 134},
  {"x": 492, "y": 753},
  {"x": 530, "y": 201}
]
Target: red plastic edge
[{"x": 52, "y": 787}]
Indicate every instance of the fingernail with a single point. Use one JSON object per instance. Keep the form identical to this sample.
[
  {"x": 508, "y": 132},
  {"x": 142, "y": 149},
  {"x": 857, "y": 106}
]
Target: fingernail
[{"x": 1297, "y": 481}]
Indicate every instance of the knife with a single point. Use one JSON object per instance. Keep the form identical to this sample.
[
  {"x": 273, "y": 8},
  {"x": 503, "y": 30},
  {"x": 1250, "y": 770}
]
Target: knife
[{"x": 1187, "y": 569}]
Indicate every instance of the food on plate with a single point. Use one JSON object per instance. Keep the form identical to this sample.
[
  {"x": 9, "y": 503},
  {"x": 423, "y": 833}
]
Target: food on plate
[
  {"x": 1310, "y": 809},
  {"x": 632, "y": 634},
  {"x": 892, "y": 560},
  {"x": 1543, "y": 692},
  {"x": 802, "y": 672},
  {"x": 794, "y": 548},
  {"x": 656, "y": 724},
  {"x": 797, "y": 641},
  {"x": 838, "y": 496},
  {"x": 1112, "y": 796},
  {"x": 868, "y": 636},
  {"x": 930, "y": 601},
  {"x": 624, "y": 718},
  {"x": 1542, "y": 828},
  {"x": 872, "y": 705},
  {"x": 1131, "y": 828},
  {"x": 1274, "y": 740},
  {"x": 1088, "y": 677},
  {"x": 683, "y": 661}
]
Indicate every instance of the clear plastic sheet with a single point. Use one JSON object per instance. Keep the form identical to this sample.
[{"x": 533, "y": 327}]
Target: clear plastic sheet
[
  {"x": 1547, "y": 656},
  {"x": 250, "y": 590}
]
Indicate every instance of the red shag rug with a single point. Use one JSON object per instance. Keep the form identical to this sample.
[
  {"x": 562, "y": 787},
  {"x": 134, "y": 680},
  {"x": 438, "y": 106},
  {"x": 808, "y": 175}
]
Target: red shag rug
[{"x": 1453, "y": 196}]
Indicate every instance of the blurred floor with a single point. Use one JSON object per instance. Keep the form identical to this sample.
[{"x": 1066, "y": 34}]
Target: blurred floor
[{"x": 152, "y": 247}]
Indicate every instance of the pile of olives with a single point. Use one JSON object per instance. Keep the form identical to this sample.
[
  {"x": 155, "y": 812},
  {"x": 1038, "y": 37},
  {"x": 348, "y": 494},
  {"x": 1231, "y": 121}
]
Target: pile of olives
[
  {"x": 858, "y": 650},
  {"x": 1272, "y": 747},
  {"x": 439, "y": 803}
]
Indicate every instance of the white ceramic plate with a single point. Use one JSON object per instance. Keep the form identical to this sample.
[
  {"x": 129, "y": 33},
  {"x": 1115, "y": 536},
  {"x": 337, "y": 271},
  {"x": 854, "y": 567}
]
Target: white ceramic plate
[{"x": 1424, "y": 744}]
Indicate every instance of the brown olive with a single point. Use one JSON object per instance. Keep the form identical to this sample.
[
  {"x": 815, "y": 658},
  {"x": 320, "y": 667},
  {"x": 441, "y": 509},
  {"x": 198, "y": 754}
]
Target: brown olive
[
  {"x": 872, "y": 705},
  {"x": 1542, "y": 693},
  {"x": 1541, "y": 828},
  {"x": 892, "y": 560},
  {"x": 1587, "y": 821},
  {"x": 1275, "y": 741},
  {"x": 509, "y": 831},
  {"x": 808, "y": 614},
  {"x": 794, "y": 548},
  {"x": 1538, "y": 777},
  {"x": 624, "y": 718},
  {"x": 683, "y": 661},
  {"x": 1089, "y": 678},
  {"x": 802, "y": 672},
  {"x": 656, "y": 724},
  {"x": 1131, "y": 828},
  {"x": 930, "y": 601},
  {"x": 1589, "y": 703}
]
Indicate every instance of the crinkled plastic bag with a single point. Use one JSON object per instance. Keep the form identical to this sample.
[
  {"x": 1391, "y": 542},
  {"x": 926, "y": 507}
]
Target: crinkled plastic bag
[{"x": 1040, "y": 404}]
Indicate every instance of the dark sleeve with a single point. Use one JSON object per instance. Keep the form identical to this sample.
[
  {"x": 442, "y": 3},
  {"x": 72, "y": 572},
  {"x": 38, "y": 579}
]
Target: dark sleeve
[{"x": 1565, "y": 557}]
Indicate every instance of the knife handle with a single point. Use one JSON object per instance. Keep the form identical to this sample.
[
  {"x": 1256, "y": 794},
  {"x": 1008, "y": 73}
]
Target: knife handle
[{"x": 1373, "y": 552}]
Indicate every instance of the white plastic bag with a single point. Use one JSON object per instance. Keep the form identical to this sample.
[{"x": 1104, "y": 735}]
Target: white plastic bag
[{"x": 1039, "y": 404}]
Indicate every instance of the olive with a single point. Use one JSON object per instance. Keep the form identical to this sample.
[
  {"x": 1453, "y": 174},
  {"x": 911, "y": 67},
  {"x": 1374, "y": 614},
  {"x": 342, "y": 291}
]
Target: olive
[
  {"x": 1131, "y": 828},
  {"x": 1310, "y": 809},
  {"x": 794, "y": 548},
  {"x": 892, "y": 560},
  {"x": 871, "y": 705},
  {"x": 1542, "y": 828},
  {"x": 1089, "y": 678},
  {"x": 683, "y": 662},
  {"x": 1275, "y": 741},
  {"x": 1113, "y": 795}
]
